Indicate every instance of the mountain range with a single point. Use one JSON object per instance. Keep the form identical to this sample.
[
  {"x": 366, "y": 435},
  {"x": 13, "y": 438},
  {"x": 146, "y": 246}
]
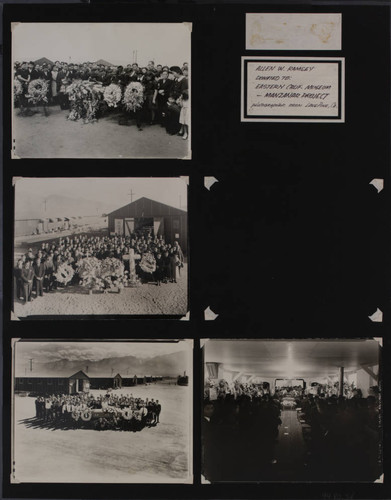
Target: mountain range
[{"x": 166, "y": 365}]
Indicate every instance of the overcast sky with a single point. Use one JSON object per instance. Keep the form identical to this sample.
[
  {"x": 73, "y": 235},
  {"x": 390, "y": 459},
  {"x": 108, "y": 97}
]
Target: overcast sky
[
  {"x": 43, "y": 352},
  {"x": 164, "y": 43},
  {"x": 112, "y": 192}
]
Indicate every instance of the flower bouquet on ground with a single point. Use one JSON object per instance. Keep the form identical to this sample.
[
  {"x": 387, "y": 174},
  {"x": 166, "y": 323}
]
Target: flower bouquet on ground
[
  {"x": 89, "y": 271},
  {"x": 112, "y": 95},
  {"x": 112, "y": 272},
  {"x": 131, "y": 281},
  {"x": 133, "y": 96},
  {"x": 64, "y": 274},
  {"x": 85, "y": 99},
  {"x": 148, "y": 263},
  {"x": 37, "y": 91}
]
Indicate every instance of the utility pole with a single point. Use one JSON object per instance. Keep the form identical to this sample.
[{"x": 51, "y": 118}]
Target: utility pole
[{"x": 131, "y": 194}]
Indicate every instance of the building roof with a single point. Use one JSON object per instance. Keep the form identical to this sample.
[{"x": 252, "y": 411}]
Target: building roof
[
  {"x": 43, "y": 60},
  {"x": 102, "y": 61},
  {"x": 80, "y": 374},
  {"x": 145, "y": 207}
]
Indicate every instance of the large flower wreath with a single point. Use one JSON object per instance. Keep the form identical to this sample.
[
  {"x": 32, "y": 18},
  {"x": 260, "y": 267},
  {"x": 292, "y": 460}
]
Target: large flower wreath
[
  {"x": 37, "y": 91},
  {"x": 148, "y": 263},
  {"x": 85, "y": 98},
  {"x": 89, "y": 271},
  {"x": 112, "y": 95},
  {"x": 112, "y": 272},
  {"x": 133, "y": 96},
  {"x": 64, "y": 274}
]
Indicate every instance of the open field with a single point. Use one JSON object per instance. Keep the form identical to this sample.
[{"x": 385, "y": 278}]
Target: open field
[
  {"x": 157, "y": 454},
  {"x": 54, "y": 136}
]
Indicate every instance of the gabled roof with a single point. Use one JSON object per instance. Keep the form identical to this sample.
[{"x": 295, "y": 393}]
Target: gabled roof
[
  {"x": 102, "y": 61},
  {"x": 80, "y": 374},
  {"x": 145, "y": 207},
  {"x": 43, "y": 60}
]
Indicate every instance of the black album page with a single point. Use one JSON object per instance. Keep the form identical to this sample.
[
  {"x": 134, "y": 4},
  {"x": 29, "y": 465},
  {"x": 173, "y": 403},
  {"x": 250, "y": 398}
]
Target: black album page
[{"x": 196, "y": 250}]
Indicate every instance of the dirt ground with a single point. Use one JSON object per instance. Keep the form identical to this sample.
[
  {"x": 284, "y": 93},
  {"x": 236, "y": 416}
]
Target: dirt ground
[
  {"x": 153, "y": 455},
  {"x": 167, "y": 299},
  {"x": 54, "y": 136}
]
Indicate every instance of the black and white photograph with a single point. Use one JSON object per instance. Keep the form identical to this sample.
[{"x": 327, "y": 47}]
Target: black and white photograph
[
  {"x": 292, "y": 410},
  {"x": 101, "y": 90},
  {"x": 100, "y": 246},
  {"x": 102, "y": 411}
]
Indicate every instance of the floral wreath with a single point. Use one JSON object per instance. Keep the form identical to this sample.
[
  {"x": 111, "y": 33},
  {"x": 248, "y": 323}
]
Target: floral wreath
[
  {"x": 37, "y": 91},
  {"x": 112, "y": 95},
  {"x": 64, "y": 273},
  {"x": 133, "y": 96},
  {"x": 148, "y": 263},
  {"x": 18, "y": 89}
]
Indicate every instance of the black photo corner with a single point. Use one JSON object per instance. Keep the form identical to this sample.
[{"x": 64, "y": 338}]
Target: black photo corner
[{"x": 196, "y": 295}]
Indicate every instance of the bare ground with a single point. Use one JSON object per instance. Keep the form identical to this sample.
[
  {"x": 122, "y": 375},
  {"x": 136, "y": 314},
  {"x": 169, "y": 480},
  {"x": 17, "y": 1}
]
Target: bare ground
[
  {"x": 167, "y": 299},
  {"x": 54, "y": 136},
  {"x": 153, "y": 455}
]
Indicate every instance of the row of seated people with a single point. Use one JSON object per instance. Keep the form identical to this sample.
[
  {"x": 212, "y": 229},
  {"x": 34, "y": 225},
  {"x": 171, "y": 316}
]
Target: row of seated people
[
  {"x": 343, "y": 437},
  {"x": 238, "y": 437}
]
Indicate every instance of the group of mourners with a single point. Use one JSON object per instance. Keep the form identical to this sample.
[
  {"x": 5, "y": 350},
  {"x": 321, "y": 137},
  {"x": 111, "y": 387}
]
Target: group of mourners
[
  {"x": 35, "y": 271},
  {"x": 165, "y": 89},
  {"x": 102, "y": 412},
  {"x": 343, "y": 435},
  {"x": 240, "y": 428},
  {"x": 239, "y": 432}
]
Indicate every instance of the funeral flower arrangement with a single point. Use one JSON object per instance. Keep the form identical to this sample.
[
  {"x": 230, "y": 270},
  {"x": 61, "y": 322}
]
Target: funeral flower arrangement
[
  {"x": 37, "y": 91},
  {"x": 112, "y": 272},
  {"x": 18, "y": 89},
  {"x": 112, "y": 95},
  {"x": 88, "y": 270},
  {"x": 133, "y": 96},
  {"x": 106, "y": 274},
  {"x": 64, "y": 274},
  {"x": 85, "y": 98},
  {"x": 148, "y": 263}
]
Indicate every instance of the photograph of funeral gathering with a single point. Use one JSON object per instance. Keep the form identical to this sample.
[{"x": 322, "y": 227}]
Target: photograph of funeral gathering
[
  {"x": 101, "y": 90},
  {"x": 118, "y": 411},
  {"x": 100, "y": 246},
  {"x": 292, "y": 410}
]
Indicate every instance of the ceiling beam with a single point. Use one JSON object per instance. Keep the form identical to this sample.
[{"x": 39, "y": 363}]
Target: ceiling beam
[{"x": 370, "y": 372}]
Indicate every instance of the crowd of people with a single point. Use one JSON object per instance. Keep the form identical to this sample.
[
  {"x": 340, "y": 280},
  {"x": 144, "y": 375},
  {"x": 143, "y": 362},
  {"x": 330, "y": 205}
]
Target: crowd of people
[
  {"x": 240, "y": 428},
  {"x": 165, "y": 89},
  {"x": 35, "y": 271},
  {"x": 108, "y": 411},
  {"x": 343, "y": 437},
  {"x": 239, "y": 432}
]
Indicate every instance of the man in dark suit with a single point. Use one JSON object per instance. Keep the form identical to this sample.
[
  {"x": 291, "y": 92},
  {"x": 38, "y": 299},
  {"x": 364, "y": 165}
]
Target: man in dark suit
[
  {"x": 27, "y": 278},
  {"x": 39, "y": 274},
  {"x": 164, "y": 86},
  {"x": 32, "y": 73},
  {"x": 208, "y": 438}
]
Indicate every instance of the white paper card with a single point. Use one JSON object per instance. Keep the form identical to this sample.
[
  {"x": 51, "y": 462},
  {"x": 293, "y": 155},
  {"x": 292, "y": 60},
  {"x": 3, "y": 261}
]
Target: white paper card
[
  {"x": 293, "y": 31},
  {"x": 293, "y": 89}
]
